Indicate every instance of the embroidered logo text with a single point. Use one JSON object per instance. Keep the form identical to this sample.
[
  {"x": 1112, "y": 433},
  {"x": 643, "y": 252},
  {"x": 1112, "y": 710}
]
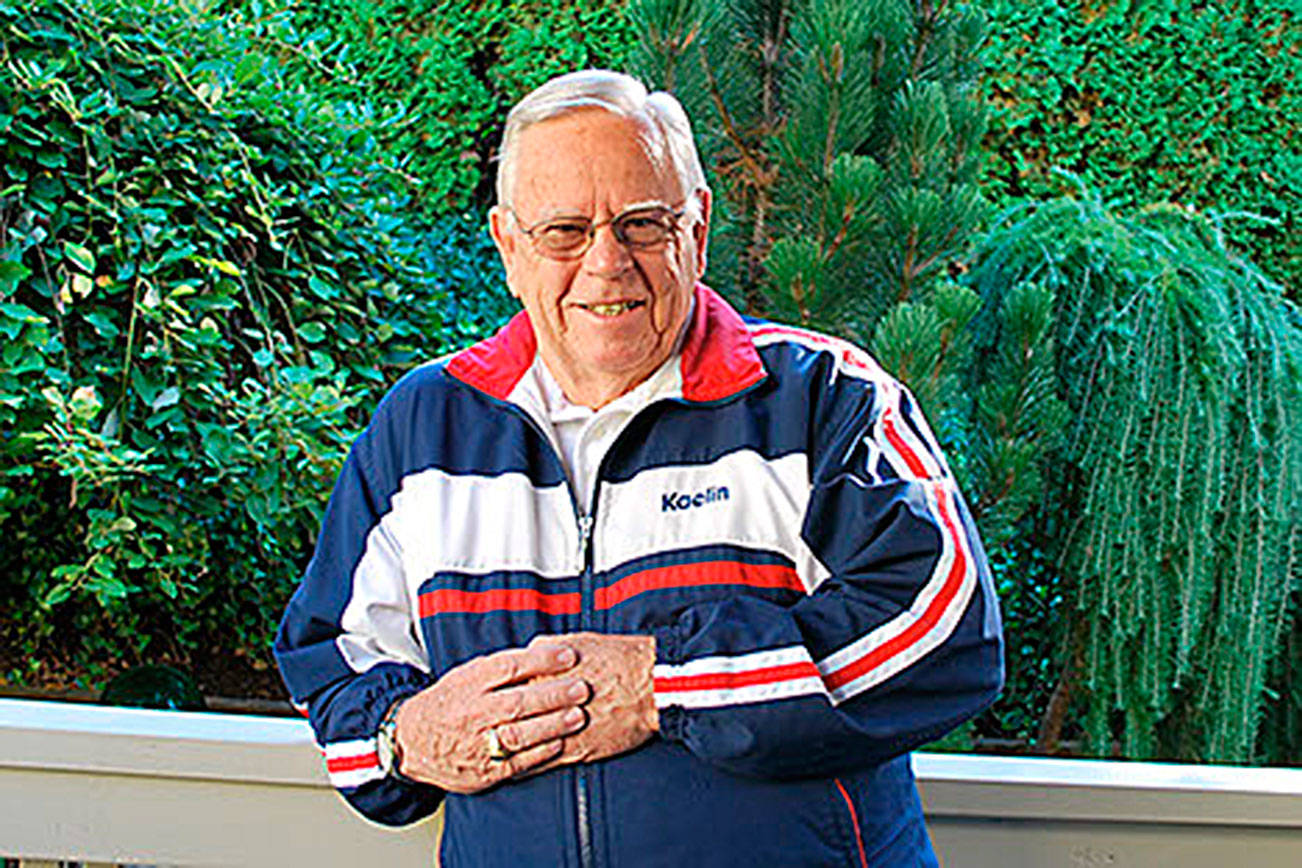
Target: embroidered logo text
[{"x": 675, "y": 501}]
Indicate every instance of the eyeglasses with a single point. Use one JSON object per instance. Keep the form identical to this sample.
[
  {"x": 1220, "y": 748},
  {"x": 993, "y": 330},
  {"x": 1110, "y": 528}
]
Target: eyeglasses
[{"x": 641, "y": 228}]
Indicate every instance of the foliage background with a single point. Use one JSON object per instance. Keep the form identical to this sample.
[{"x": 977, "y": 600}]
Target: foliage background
[
  {"x": 1195, "y": 103},
  {"x": 213, "y": 266},
  {"x": 207, "y": 207},
  {"x": 437, "y": 78},
  {"x": 841, "y": 139}
]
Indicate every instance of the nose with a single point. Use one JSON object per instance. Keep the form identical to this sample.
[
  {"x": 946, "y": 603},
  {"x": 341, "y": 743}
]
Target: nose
[{"x": 607, "y": 257}]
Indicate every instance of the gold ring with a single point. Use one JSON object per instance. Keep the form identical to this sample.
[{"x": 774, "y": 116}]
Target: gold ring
[{"x": 497, "y": 751}]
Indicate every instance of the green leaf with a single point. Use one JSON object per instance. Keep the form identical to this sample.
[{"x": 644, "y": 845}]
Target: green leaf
[
  {"x": 166, "y": 398},
  {"x": 221, "y": 265},
  {"x": 321, "y": 289},
  {"x": 22, "y": 315},
  {"x": 312, "y": 332},
  {"x": 143, "y": 386},
  {"x": 102, "y": 324},
  {"x": 106, "y": 587},
  {"x": 168, "y": 414},
  {"x": 79, "y": 256},
  {"x": 57, "y": 595},
  {"x": 11, "y": 272},
  {"x": 124, "y": 524},
  {"x": 298, "y": 374},
  {"x": 112, "y": 424},
  {"x": 85, "y": 403}
]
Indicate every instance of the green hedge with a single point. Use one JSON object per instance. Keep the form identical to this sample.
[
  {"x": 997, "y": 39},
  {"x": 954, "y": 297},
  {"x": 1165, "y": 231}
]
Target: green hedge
[
  {"x": 208, "y": 275},
  {"x": 1187, "y": 101},
  {"x": 225, "y": 228},
  {"x": 437, "y": 77}
]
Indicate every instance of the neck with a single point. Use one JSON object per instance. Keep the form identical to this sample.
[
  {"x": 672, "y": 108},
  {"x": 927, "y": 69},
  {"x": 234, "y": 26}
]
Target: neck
[{"x": 594, "y": 391}]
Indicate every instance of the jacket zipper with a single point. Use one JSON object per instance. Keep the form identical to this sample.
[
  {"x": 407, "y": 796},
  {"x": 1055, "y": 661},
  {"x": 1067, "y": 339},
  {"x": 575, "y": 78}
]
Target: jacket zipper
[
  {"x": 585, "y": 523},
  {"x": 586, "y": 859}
]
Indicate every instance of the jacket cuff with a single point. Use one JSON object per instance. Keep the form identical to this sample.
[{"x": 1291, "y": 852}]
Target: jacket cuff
[{"x": 347, "y": 718}]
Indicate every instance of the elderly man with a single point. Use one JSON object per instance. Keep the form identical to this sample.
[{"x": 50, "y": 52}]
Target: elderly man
[{"x": 637, "y": 581}]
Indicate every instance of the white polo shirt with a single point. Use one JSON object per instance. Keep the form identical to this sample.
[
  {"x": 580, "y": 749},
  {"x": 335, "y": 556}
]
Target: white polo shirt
[{"x": 582, "y": 435}]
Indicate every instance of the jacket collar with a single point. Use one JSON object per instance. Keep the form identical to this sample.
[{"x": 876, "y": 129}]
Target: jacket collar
[{"x": 719, "y": 358}]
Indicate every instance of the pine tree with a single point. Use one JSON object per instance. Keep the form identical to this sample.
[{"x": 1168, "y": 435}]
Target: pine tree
[{"x": 842, "y": 139}]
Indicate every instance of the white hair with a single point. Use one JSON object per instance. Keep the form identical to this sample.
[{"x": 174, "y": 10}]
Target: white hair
[{"x": 609, "y": 91}]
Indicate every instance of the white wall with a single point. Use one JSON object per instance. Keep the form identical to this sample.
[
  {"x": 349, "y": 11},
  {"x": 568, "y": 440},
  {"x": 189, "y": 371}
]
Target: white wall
[{"x": 127, "y": 785}]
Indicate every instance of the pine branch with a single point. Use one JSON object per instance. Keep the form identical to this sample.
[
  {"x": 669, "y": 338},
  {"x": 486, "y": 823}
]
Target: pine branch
[
  {"x": 906, "y": 271},
  {"x": 761, "y": 180},
  {"x": 927, "y": 18},
  {"x": 1164, "y": 350}
]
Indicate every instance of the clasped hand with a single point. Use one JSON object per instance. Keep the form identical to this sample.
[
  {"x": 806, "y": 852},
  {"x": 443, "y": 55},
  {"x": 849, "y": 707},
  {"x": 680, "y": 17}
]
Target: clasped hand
[{"x": 563, "y": 699}]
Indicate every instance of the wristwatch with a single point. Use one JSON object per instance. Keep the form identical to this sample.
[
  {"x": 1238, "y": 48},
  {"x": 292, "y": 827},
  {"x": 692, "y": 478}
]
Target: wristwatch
[{"x": 386, "y": 742}]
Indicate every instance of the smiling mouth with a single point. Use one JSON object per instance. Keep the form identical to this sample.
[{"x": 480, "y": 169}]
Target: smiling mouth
[{"x": 613, "y": 309}]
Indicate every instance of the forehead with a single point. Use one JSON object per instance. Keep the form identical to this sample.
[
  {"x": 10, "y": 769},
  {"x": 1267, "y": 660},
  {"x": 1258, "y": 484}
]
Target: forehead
[{"x": 592, "y": 160}]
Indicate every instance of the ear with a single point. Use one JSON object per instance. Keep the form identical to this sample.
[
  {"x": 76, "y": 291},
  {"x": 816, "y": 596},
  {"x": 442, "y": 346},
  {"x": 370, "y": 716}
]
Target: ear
[
  {"x": 701, "y": 230},
  {"x": 506, "y": 241}
]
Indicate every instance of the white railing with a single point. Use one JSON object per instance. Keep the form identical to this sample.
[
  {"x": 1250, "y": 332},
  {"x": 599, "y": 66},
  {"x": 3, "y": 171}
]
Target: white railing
[{"x": 176, "y": 788}]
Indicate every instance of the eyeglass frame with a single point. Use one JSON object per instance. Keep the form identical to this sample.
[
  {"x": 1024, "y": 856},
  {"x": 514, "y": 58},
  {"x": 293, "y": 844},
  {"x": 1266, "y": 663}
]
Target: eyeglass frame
[{"x": 674, "y": 214}]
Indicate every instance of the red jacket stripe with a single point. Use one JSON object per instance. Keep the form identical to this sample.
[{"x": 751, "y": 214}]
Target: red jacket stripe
[
  {"x": 919, "y": 628},
  {"x": 449, "y": 602},
  {"x": 734, "y": 680},
  {"x": 697, "y": 574},
  {"x": 352, "y": 763},
  {"x": 910, "y": 457}
]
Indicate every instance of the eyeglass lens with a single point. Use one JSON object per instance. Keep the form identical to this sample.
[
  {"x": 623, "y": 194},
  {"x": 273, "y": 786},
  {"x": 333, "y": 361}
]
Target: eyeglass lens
[{"x": 572, "y": 235}]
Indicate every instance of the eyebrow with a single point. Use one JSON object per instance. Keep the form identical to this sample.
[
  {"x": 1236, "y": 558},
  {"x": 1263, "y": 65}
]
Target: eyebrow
[{"x": 636, "y": 206}]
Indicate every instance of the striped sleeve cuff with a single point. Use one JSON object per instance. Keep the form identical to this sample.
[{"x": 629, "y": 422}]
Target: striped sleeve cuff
[{"x": 868, "y": 660}]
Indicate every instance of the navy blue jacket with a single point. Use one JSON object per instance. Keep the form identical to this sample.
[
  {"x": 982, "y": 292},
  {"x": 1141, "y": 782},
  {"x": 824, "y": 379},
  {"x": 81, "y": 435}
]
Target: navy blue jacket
[{"x": 779, "y": 517}]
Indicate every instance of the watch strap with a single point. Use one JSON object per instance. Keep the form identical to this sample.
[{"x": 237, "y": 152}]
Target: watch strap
[{"x": 387, "y": 748}]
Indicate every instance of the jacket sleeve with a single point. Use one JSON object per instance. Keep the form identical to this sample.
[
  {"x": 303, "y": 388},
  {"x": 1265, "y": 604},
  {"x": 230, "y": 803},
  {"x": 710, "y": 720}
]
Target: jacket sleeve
[
  {"x": 346, "y": 647},
  {"x": 898, "y": 642}
]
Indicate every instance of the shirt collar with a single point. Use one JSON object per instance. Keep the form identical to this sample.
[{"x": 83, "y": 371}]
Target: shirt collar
[{"x": 717, "y": 360}]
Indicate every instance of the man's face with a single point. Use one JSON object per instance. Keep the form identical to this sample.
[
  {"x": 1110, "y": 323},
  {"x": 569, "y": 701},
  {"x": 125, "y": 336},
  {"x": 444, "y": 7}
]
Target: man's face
[{"x": 608, "y": 318}]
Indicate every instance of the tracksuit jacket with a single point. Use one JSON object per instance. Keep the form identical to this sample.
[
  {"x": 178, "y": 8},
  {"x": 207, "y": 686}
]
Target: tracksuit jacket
[{"x": 779, "y": 517}]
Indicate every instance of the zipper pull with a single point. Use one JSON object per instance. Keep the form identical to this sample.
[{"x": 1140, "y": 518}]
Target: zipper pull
[{"x": 585, "y": 536}]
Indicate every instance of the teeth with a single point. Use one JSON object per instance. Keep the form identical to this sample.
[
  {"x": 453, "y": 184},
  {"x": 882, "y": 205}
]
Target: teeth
[{"x": 612, "y": 309}]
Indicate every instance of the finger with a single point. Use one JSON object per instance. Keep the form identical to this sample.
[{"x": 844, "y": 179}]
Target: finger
[
  {"x": 525, "y": 760},
  {"x": 528, "y": 700},
  {"x": 520, "y": 664},
  {"x": 523, "y": 734},
  {"x": 553, "y": 762}
]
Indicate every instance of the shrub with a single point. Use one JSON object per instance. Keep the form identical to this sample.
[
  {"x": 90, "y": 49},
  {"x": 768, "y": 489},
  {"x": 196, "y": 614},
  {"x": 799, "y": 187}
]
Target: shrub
[
  {"x": 207, "y": 276},
  {"x": 842, "y": 142}
]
